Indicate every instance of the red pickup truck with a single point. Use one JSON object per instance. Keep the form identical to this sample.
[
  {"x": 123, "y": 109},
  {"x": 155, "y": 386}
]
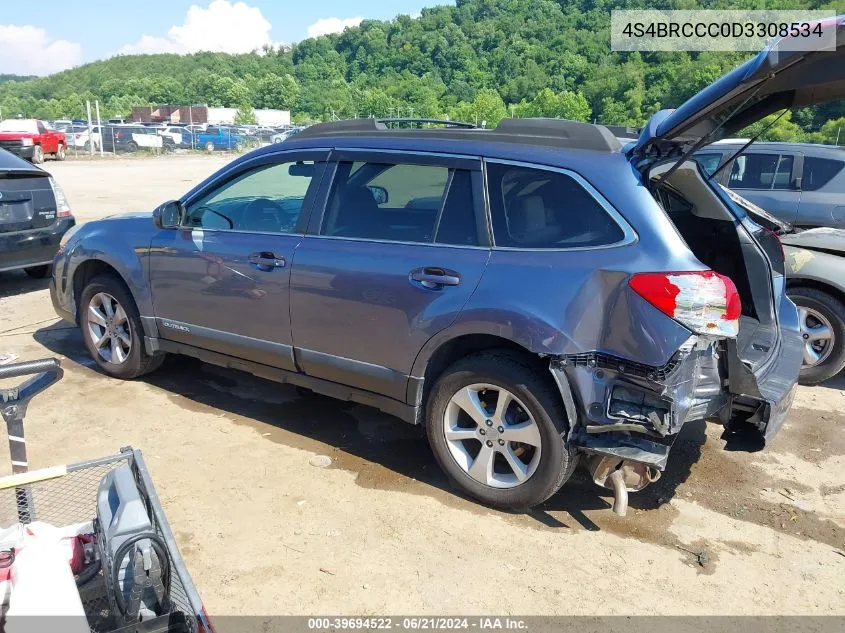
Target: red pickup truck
[{"x": 32, "y": 139}]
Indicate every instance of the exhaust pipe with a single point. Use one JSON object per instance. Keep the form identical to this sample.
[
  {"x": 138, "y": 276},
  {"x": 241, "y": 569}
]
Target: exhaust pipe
[
  {"x": 622, "y": 476},
  {"x": 620, "y": 492}
]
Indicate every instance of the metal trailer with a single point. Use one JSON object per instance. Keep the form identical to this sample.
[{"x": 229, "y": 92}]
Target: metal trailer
[{"x": 67, "y": 495}]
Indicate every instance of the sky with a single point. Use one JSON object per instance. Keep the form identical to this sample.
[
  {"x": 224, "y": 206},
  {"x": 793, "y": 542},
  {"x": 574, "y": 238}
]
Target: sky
[{"x": 40, "y": 37}]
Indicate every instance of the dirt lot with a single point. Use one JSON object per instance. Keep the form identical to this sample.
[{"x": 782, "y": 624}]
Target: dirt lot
[{"x": 380, "y": 531}]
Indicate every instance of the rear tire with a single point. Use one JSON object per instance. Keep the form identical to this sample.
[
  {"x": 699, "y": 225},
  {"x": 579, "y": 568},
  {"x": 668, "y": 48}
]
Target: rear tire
[
  {"x": 830, "y": 309},
  {"x": 130, "y": 361},
  {"x": 209, "y": 147},
  {"x": 38, "y": 272},
  {"x": 535, "y": 399},
  {"x": 132, "y": 147}
]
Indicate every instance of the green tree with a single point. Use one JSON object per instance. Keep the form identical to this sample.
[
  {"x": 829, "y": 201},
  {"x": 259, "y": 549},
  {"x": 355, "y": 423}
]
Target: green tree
[
  {"x": 831, "y": 133},
  {"x": 278, "y": 92},
  {"x": 775, "y": 128},
  {"x": 245, "y": 115}
]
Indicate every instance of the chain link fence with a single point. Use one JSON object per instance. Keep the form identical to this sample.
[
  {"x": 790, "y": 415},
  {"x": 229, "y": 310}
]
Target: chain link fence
[{"x": 94, "y": 136}]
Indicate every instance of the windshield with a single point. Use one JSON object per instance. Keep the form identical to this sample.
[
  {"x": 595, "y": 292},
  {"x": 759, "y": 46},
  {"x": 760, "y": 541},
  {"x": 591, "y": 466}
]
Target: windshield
[{"x": 19, "y": 125}]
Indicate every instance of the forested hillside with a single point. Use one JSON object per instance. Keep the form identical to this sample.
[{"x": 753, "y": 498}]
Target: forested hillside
[{"x": 478, "y": 60}]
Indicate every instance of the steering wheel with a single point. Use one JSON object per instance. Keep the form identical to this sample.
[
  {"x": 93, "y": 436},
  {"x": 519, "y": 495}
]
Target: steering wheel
[{"x": 267, "y": 206}]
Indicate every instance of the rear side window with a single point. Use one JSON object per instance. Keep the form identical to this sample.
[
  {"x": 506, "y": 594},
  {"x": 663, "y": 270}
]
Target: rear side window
[
  {"x": 761, "y": 171},
  {"x": 819, "y": 171},
  {"x": 401, "y": 203},
  {"x": 538, "y": 208}
]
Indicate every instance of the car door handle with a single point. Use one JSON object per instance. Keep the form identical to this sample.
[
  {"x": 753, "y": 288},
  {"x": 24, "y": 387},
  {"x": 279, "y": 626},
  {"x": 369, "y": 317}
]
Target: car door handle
[
  {"x": 266, "y": 261},
  {"x": 432, "y": 277}
]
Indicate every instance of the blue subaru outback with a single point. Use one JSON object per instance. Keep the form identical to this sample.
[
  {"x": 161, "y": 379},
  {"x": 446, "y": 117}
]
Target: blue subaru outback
[{"x": 532, "y": 295}]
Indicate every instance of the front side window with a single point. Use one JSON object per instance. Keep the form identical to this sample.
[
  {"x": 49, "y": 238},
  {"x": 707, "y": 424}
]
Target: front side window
[
  {"x": 538, "y": 208},
  {"x": 761, "y": 171},
  {"x": 819, "y": 171},
  {"x": 401, "y": 203},
  {"x": 268, "y": 199},
  {"x": 709, "y": 161}
]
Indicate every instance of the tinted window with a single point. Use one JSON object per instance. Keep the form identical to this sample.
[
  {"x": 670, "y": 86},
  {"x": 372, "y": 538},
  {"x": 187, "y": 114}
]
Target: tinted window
[
  {"x": 457, "y": 224},
  {"x": 402, "y": 203},
  {"x": 709, "y": 162},
  {"x": 536, "y": 208},
  {"x": 761, "y": 171},
  {"x": 819, "y": 171},
  {"x": 267, "y": 200}
]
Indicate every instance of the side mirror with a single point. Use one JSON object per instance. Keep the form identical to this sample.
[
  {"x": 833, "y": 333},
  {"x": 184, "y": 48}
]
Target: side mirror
[
  {"x": 169, "y": 215},
  {"x": 379, "y": 194}
]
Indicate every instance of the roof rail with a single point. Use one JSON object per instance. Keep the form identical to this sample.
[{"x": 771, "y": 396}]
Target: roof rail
[
  {"x": 370, "y": 124},
  {"x": 547, "y": 132},
  {"x": 574, "y": 134}
]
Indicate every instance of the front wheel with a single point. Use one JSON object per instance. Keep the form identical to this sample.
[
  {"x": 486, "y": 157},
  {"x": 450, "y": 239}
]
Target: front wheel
[
  {"x": 497, "y": 427},
  {"x": 111, "y": 328},
  {"x": 209, "y": 147},
  {"x": 822, "y": 320},
  {"x": 60, "y": 153},
  {"x": 132, "y": 147},
  {"x": 37, "y": 155}
]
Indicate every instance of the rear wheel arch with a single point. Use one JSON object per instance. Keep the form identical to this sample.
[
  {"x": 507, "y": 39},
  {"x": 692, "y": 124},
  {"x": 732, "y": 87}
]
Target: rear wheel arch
[{"x": 431, "y": 364}]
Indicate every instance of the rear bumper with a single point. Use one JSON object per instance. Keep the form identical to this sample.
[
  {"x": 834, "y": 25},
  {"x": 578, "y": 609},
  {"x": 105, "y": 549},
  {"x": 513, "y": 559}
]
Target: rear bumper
[
  {"x": 634, "y": 412},
  {"x": 774, "y": 384},
  {"x": 22, "y": 151},
  {"x": 35, "y": 247}
]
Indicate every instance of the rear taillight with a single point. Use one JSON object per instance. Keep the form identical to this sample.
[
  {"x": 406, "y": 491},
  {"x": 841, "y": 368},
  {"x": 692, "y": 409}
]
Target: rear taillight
[
  {"x": 62, "y": 206},
  {"x": 704, "y": 301}
]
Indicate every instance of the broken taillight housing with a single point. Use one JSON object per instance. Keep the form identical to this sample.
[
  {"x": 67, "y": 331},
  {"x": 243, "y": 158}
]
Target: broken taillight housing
[{"x": 703, "y": 301}]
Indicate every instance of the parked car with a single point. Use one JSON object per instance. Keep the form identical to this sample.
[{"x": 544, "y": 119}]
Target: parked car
[
  {"x": 79, "y": 137},
  {"x": 800, "y": 183},
  {"x": 34, "y": 216},
  {"x": 219, "y": 138},
  {"x": 815, "y": 281},
  {"x": 177, "y": 136},
  {"x": 283, "y": 136},
  {"x": 32, "y": 139},
  {"x": 130, "y": 138},
  {"x": 532, "y": 295}
]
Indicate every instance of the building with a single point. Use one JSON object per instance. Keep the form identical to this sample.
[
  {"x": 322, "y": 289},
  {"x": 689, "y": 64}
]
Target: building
[{"x": 204, "y": 114}]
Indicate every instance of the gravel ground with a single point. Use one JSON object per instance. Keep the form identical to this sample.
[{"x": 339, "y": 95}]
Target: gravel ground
[{"x": 379, "y": 531}]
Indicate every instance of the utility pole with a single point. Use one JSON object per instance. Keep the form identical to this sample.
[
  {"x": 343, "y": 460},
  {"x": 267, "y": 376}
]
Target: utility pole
[
  {"x": 90, "y": 130},
  {"x": 99, "y": 127}
]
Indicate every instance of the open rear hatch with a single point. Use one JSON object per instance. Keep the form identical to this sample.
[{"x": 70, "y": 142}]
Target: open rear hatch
[
  {"x": 763, "y": 360},
  {"x": 773, "y": 80},
  {"x": 761, "y": 363}
]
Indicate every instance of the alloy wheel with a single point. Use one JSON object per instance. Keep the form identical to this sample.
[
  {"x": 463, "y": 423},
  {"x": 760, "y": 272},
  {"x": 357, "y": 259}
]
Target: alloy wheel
[
  {"x": 818, "y": 336},
  {"x": 110, "y": 329},
  {"x": 492, "y": 436}
]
